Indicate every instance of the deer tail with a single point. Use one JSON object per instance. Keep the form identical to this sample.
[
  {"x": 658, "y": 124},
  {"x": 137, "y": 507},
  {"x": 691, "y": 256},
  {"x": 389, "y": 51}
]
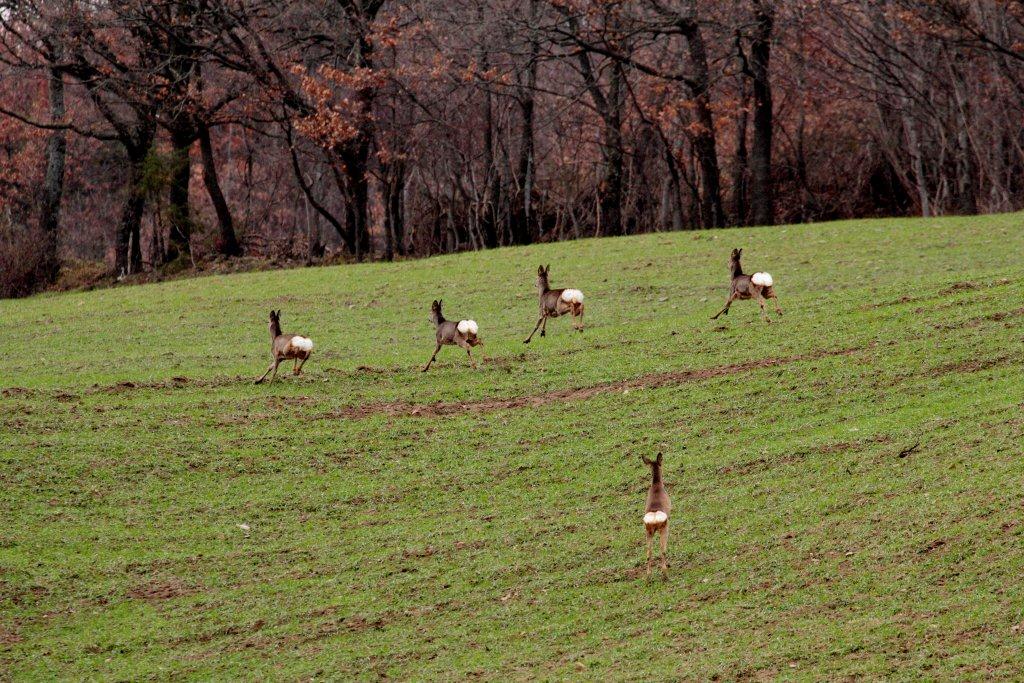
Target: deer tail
[
  {"x": 304, "y": 344},
  {"x": 572, "y": 296},
  {"x": 762, "y": 279},
  {"x": 656, "y": 517}
]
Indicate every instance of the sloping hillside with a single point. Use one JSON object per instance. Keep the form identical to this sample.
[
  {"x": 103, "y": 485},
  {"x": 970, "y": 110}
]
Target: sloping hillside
[{"x": 847, "y": 482}]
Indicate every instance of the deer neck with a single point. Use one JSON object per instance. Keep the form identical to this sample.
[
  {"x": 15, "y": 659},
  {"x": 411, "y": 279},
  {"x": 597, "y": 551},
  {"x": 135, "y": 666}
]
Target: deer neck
[
  {"x": 737, "y": 269},
  {"x": 275, "y": 330},
  {"x": 655, "y": 474}
]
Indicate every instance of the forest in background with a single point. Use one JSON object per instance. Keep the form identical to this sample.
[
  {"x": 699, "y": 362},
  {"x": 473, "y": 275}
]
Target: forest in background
[{"x": 152, "y": 135}]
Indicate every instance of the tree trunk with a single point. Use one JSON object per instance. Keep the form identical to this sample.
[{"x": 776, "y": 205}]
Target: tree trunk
[
  {"x": 53, "y": 184},
  {"x": 704, "y": 144},
  {"x": 762, "y": 201},
  {"x": 522, "y": 210},
  {"x": 127, "y": 247},
  {"x": 966, "y": 167},
  {"x": 179, "y": 209},
  {"x": 228, "y": 243},
  {"x": 611, "y": 186},
  {"x": 492, "y": 191},
  {"x": 394, "y": 174},
  {"x": 739, "y": 177}
]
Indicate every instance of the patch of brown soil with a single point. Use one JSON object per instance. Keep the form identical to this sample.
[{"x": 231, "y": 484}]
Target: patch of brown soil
[
  {"x": 156, "y": 591},
  {"x": 9, "y": 636},
  {"x": 976, "y": 321},
  {"x": 960, "y": 287},
  {"x": 651, "y": 381},
  {"x": 967, "y": 366}
]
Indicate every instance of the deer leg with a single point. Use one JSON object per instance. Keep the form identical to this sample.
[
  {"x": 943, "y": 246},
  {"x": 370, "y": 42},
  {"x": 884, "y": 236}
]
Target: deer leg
[
  {"x": 775, "y": 299},
  {"x": 544, "y": 327},
  {"x": 664, "y": 550},
  {"x": 427, "y": 366},
  {"x": 650, "y": 548},
  {"x": 581, "y": 318},
  {"x": 273, "y": 366},
  {"x": 764, "y": 313},
  {"x": 728, "y": 303},
  {"x": 298, "y": 370},
  {"x": 274, "y": 375},
  {"x": 468, "y": 348},
  {"x": 542, "y": 319}
]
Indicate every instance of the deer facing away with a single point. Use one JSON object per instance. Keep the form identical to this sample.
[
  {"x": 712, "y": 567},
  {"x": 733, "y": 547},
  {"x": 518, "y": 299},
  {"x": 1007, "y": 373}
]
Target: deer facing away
[
  {"x": 556, "y": 302},
  {"x": 656, "y": 514},
  {"x": 286, "y": 347},
  {"x": 462, "y": 333},
  {"x": 758, "y": 286}
]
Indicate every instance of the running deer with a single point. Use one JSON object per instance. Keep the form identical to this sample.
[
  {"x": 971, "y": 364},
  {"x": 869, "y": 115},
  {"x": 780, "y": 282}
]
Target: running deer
[
  {"x": 758, "y": 286},
  {"x": 285, "y": 347},
  {"x": 556, "y": 302},
  {"x": 656, "y": 514},
  {"x": 462, "y": 333}
]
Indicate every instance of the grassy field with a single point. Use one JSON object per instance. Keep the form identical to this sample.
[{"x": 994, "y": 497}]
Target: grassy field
[{"x": 847, "y": 482}]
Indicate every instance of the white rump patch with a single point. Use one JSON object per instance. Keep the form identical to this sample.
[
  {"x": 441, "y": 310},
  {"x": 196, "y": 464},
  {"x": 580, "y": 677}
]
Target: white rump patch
[
  {"x": 302, "y": 343},
  {"x": 655, "y": 517},
  {"x": 572, "y": 296},
  {"x": 468, "y": 327},
  {"x": 762, "y": 279}
]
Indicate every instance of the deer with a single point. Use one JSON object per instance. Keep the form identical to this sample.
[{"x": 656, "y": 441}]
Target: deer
[
  {"x": 286, "y": 347},
  {"x": 556, "y": 302},
  {"x": 462, "y": 333},
  {"x": 758, "y": 286},
  {"x": 656, "y": 513}
]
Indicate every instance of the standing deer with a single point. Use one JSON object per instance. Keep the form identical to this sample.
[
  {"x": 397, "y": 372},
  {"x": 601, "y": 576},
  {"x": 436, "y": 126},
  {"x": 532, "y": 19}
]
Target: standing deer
[
  {"x": 462, "y": 333},
  {"x": 656, "y": 513},
  {"x": 556, "y": 302},
  {"x": 284, "y": 347},
  {"x": 758, "y": 285}
]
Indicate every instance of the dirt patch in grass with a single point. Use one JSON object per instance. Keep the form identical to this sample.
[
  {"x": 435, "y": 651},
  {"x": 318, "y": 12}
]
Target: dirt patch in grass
[
  {"x": 160, "y": 590},
  {"x": 651, "y": 381},
  {"x": 8, "y": 636},
  {"x": 978, "y": 320},
  {"x": 967, "y": 366},
  {"x": 960, "y": 287}
]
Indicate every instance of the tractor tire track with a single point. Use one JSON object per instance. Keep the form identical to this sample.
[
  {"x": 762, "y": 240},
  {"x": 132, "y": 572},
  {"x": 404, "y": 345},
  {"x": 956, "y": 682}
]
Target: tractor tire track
[{"x": 651, "y": 381}]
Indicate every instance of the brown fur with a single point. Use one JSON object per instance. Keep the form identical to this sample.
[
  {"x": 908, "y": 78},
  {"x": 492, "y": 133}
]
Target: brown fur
[
  {"x": 281, "y": 349},
  {"x": 744, "y": 288},
  {"x": 552, "y": 306},
  {"x": 657, "y": 501},
  {"x": 448, "y": 333}
]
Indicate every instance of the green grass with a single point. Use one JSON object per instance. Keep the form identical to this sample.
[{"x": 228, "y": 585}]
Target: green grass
[{"x": 506, "y": 543}]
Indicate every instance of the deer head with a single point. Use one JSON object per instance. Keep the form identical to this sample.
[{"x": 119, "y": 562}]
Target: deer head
[
  {"x": 542, "y": 278},
  {"x": 436, "y": 316},
  {"x": 275, "y": 323},
  {"x": 734, "y": 262},
  {"x": 655, "y": 465}
]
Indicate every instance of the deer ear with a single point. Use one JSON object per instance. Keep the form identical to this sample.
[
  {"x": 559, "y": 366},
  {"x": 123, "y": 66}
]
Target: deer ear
[{"x": 540, "y": 270}]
